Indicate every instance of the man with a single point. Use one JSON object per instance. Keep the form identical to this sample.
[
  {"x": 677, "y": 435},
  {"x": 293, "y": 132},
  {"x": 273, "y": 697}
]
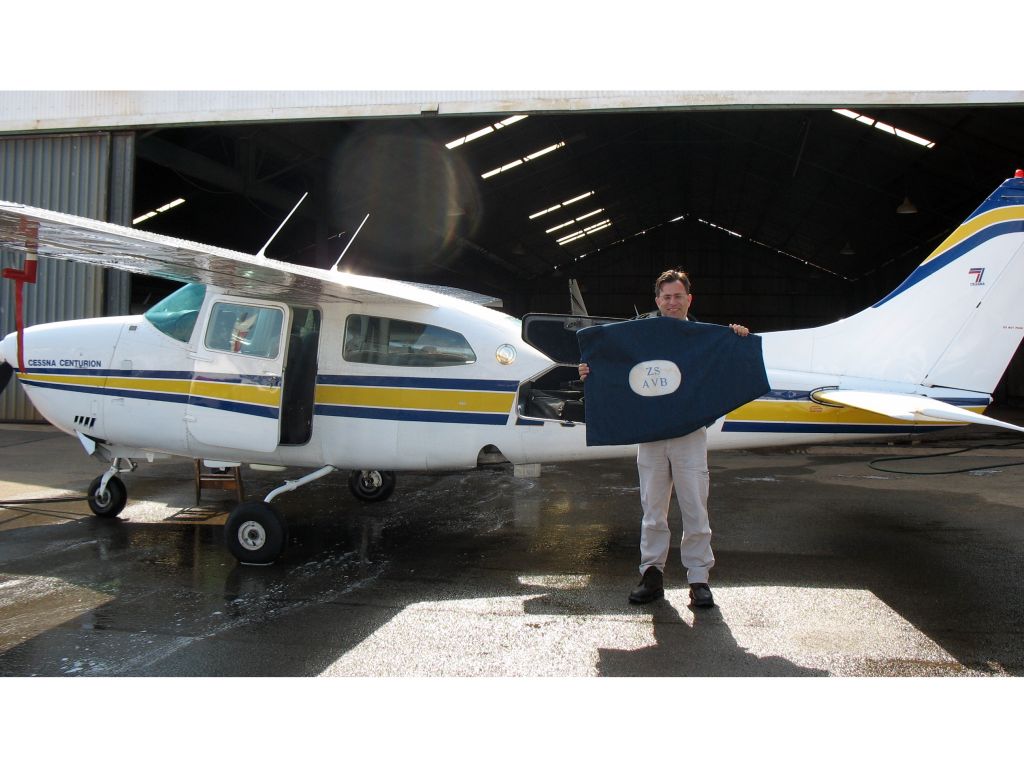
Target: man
[{"x": 681, "y": 462}]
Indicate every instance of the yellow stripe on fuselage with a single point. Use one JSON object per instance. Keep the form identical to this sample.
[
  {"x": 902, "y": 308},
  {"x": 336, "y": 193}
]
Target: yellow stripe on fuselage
[
  {"x": 256, "y": 394},
  {"x": 968, "y": 228},
  {"x": 417, "y": 399},
  {"x": 171, "y": 386},
  {"x": 75, "y": 381}
]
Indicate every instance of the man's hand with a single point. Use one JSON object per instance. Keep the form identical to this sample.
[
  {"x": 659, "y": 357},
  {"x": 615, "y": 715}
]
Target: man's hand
[
  {"x": 584, "y": 370},
  {"x": 740, "y": 330}
]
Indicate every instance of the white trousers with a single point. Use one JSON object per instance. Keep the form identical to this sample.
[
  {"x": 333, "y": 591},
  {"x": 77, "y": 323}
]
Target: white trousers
[{"x": 681, "y": 462}]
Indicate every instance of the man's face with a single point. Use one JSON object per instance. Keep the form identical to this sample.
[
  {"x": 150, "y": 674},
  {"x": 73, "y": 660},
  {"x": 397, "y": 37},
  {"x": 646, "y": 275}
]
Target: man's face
[{"x": 673, "y": 300}]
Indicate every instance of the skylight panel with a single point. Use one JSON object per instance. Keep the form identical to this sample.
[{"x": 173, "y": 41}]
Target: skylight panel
[
  {"x": 585, "y": 231},
  {"x": 502, "y": 169},
  {"x": 162, "y": 209},
  {"x": 484, "y": 131},
  {"x": 546, "y": 210},
  {"x": 892, "y": 130},
  {"x": 555, "y": 207},
  {"x": 576, "y": 199},
  {"x": 570, "y": 222},
  {"x": 528, "y": 158},
  {"x": 560, "y": 226},
  {"x": 544, "y": 151}
]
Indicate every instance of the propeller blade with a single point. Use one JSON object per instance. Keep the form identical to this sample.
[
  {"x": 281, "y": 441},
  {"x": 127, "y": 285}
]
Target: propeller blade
[{"x": 6, "y": 371}]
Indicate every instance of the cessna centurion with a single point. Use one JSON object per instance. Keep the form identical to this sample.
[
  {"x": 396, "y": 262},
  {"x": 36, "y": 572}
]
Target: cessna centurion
[{"x": 269, "y": 363}]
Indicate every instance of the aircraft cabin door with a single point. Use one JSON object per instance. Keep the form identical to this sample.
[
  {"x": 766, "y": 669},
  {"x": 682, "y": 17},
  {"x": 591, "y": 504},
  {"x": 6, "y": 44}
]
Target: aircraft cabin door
[{"x": 235, "y": 396}]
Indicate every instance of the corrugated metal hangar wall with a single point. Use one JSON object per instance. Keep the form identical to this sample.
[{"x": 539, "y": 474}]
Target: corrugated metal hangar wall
[{"x": 82, "y": 174}]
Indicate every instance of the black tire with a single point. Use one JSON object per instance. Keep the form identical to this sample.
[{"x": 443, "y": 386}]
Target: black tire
[
  {"x": 255, "y": 533},
  {"x": 371, "y": 485},
  {"x": 112, "y": 501}
]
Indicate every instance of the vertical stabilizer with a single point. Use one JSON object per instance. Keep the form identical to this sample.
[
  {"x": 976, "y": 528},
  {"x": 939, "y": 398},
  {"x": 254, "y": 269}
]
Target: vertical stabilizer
[
  {"x": 956, "y": 321},
  {"x": 576, "y": 299}
]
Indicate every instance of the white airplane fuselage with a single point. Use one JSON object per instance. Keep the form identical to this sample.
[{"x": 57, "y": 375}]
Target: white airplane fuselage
[{"x": 140, "y": 393}]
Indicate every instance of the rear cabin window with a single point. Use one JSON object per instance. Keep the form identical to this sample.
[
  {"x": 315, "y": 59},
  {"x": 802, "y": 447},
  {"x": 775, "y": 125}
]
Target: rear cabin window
[
  {"x": 176, "y": 314},
  {"x": 385, "y": 341},
  {"x": 245, "y": 329}
]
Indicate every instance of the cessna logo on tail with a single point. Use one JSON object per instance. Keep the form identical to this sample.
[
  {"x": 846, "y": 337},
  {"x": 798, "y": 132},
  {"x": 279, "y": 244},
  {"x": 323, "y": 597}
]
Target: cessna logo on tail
[{"x": 977, "y": 273}]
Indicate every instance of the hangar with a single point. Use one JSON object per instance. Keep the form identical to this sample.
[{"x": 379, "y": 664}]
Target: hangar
[{"x": 790, "y": 209}]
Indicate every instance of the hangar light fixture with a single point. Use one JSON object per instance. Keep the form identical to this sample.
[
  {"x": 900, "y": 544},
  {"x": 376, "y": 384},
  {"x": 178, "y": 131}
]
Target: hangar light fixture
[
  {"x": 564, "y": 203},
  {"x": 162, "y": 209},
  {"x": 484, "y": 131},
  {"x": 584, "y": 232},
  {"x": 574, "y": 221},
  {"x": 927, "y": 143},
  {"x": 514, "y": 163}
]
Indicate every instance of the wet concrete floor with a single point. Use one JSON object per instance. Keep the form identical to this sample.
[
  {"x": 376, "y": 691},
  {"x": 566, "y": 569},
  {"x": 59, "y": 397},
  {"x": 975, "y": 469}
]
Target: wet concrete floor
[{"x": 826, "y": 567}]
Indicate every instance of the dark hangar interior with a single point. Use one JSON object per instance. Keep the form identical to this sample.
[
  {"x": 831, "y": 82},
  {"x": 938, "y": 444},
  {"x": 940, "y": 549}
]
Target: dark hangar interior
[{"x": 785, "y": 217}]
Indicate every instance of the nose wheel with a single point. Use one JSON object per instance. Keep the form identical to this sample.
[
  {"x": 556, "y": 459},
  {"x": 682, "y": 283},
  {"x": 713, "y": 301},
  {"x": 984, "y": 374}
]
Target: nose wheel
[{"x": 110, "y": 501}]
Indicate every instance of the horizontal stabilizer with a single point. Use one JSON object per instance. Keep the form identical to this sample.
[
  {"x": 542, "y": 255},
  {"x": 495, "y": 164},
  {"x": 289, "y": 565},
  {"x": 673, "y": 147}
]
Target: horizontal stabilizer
[{"x": 908, "y": 407}]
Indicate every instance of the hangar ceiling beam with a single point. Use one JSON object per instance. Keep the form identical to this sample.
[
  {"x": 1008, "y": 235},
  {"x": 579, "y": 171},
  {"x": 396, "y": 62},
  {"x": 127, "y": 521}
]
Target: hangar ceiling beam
[
  {"x": 33, "y": 111},
  {"x": 212, "y": 172}
]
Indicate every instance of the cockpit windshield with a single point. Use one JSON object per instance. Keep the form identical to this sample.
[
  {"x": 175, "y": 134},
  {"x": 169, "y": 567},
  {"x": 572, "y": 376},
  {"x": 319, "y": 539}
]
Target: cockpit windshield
[{"x": 176, "y": 314}]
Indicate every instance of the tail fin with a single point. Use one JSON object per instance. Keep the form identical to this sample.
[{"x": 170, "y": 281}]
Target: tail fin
[
  {"x": 955, "y": 322},
  {"x": 576, "y": 299}
]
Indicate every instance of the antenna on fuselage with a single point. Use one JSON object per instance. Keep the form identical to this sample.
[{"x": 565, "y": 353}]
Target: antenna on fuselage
[
  {"x": 262, "y": 251},
  {"x": 351, "y": 241}
]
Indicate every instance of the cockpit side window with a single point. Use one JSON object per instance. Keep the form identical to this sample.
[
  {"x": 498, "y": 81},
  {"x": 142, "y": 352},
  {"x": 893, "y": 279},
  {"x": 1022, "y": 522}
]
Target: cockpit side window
[
  {"x": 176, "y": 314},
  {"x": 386, "y": 341},
  {"x": 245, "y": 329}
]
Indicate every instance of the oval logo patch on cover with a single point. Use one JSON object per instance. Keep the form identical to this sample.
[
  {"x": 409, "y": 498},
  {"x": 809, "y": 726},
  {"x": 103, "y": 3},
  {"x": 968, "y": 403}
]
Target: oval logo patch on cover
[{"x": 654, "y": 378}]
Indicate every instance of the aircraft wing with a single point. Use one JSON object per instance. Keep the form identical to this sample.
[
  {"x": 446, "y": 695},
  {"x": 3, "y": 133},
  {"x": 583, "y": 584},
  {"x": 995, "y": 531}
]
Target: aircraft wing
[
  {"x": 908, "y": 407},
  {"x": 62, "y": 236}
]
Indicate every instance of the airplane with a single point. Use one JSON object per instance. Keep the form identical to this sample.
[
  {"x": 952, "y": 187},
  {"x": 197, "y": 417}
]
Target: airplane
[{"x": 278, "y": 365}]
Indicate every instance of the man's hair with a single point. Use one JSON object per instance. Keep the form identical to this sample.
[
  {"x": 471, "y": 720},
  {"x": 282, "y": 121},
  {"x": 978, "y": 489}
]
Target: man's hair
[{"x": 672, "y": 276}]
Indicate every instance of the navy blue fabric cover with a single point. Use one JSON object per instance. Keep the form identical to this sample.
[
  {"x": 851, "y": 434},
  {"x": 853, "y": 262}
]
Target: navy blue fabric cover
[{"x": 720, "y": 372}]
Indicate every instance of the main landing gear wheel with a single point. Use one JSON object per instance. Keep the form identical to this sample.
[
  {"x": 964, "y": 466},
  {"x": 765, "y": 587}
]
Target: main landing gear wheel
[
  {"x": 371, "y": 484},
  {"x": 111, "y": 501},
  {"x": 255, "y": 533}
]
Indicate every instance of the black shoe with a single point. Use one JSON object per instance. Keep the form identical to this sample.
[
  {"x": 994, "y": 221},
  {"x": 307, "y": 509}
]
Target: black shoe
[
  {"x": 700, "y": 596},
  {"x": 651, "y": 587}
]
